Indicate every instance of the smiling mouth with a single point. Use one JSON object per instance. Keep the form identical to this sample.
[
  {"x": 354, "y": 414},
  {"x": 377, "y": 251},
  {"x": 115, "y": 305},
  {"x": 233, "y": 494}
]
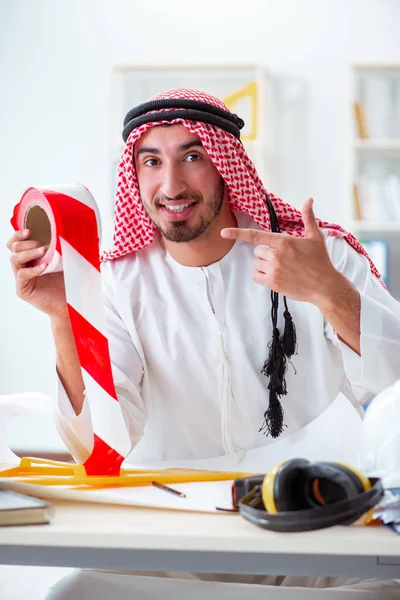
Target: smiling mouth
[
  {"x": 175, "y": 208},
  {"x": 179, "y": 211}
]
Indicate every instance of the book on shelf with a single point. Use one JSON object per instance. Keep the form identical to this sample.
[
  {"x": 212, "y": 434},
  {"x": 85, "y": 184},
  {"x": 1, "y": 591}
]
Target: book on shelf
[
  {"x": 378, "y": 251},
  {"x": 391, "y": 189},
  {"x": 20, "y": 509},
  {"x": 377, "y": 199},
  {"x": 357, "y": 203},
  {"x": 361, "y": 120}
]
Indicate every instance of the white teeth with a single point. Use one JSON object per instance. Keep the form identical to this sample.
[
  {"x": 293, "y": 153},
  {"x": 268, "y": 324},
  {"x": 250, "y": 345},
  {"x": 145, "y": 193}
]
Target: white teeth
[{"x": 177, "y": 208}]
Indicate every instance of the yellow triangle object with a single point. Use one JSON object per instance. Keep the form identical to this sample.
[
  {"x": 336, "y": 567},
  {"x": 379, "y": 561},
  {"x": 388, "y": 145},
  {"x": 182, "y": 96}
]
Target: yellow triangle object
[
  {"x": 51, "y": 472},
  {"x": 248, "y": 93}
]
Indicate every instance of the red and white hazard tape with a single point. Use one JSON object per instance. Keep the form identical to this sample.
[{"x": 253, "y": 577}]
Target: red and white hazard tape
[{"x": 66, "y": 218}]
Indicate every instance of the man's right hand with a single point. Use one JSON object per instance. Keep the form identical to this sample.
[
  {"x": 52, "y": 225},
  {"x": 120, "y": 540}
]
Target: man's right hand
[{"x": 45, "y": 293}]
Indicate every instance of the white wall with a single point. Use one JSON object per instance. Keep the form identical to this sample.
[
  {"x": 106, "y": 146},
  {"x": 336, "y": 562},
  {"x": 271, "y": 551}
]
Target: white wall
[{"x": 55, "y": 62}]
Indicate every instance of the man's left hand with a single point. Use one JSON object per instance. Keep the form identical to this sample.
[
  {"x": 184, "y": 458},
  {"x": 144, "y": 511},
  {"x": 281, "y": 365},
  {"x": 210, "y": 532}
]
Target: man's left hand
[{"x": 299, "y": 268}]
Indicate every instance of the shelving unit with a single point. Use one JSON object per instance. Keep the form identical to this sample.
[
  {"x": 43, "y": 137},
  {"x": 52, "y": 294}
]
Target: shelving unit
[{"x": 373, "y": 213}]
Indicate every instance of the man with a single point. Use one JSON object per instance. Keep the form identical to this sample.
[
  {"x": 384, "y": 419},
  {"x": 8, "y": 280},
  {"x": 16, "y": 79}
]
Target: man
[{"x": 203, "y": 260}]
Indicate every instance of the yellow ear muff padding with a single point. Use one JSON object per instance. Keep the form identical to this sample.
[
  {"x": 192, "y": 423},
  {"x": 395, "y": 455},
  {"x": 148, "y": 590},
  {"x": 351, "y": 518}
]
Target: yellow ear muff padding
[
  {"x": 280, "y": 488},
  {"x": 365, "y": 482}
]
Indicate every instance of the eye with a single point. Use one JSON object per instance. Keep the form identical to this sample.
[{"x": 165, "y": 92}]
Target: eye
[
  {"x": 193, "y": 157},
  {"x": 151, "y": 162}
]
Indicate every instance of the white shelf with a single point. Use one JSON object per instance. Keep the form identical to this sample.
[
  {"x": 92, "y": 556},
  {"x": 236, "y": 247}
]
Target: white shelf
[
  {"x": 372, "y": 226},
  {"x": 377, "y": 144},
  {"x": 377, "y": 67}
]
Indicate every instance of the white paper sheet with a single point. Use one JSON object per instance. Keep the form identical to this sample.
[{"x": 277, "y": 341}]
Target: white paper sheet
[{"x": 200, "y": 496}]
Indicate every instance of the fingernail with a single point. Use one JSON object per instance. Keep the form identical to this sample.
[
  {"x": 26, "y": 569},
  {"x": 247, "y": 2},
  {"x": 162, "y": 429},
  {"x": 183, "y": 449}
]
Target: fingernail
[
  {"x": 15, "y": 246},
  {"x": 42, "y": 266},
  {"x": 41, "y": 250},
  {"x": 24, "y": 232}
]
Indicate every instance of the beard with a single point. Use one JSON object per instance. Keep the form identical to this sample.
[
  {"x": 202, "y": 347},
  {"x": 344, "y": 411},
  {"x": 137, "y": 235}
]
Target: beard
[{"x": 181, "y": 231}]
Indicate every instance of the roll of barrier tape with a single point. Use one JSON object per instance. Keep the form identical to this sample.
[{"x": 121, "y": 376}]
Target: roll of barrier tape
[{"x": 66, "y": 219}]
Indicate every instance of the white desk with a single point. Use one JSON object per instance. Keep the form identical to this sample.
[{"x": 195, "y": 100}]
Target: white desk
[{"x": 113, "y": 537}]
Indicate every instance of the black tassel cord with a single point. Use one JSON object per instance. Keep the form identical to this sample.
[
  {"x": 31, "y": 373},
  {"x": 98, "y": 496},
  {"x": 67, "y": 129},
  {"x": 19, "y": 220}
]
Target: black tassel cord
[{"x": 281, "y": 348}]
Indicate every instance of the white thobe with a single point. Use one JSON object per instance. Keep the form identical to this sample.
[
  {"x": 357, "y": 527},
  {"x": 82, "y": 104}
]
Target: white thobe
[
  {"x": 187, "y": 346},
  {"x": 181, "y": 336}
]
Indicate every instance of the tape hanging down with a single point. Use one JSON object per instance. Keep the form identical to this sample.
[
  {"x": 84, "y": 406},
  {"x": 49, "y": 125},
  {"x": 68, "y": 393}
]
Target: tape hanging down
[{"x": 66, "y": 218}]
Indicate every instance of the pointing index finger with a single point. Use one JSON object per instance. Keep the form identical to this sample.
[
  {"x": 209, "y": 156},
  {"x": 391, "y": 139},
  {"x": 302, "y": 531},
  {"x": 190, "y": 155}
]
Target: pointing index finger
[{"x": 254, "y": 236}]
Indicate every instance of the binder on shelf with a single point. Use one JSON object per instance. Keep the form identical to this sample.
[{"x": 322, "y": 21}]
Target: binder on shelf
[
  {"x": 357, "y": 203},
  {"x": 361, "y": 121},
  {"x": 377, "y": 199},
  {"x": 392, "y": 195}
]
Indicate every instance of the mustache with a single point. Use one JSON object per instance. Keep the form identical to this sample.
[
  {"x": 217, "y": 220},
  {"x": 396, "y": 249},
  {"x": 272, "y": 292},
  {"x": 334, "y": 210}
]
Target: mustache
[{"x": 162, "y": 199}]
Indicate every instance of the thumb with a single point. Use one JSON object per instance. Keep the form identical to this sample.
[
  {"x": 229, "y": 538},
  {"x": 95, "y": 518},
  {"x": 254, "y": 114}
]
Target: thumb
[{"x": 311, "y": 229}]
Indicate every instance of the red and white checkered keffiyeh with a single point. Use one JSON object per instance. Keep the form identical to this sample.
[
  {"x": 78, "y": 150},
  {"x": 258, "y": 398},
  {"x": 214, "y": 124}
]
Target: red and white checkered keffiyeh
[{"x": 133, "y": 230}]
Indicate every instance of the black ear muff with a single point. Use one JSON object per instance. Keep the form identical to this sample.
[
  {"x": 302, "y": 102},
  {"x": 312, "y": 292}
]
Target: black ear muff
[
  {"x": 300, "y": 496},
  {"x": 328, "y": 483},
  {"x": 282, "y": 488}
]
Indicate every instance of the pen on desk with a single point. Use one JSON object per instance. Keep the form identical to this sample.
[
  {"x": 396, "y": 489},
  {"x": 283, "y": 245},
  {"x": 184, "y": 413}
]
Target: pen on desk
[{"x": 166, "y": 488}]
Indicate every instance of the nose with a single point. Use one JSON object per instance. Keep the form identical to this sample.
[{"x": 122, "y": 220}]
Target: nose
[{"x": 173, "y": 183}]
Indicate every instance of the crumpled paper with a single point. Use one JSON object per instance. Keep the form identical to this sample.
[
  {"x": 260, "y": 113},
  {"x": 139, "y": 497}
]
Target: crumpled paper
[{"x": 15, "y": 405}]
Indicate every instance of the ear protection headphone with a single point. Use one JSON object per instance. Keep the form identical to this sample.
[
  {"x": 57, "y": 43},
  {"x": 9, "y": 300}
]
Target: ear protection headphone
[{"x": 297, "y": 495}]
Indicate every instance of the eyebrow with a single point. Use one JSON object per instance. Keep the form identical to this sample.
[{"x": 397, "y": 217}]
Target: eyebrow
[{"x": 182, "y": 148}]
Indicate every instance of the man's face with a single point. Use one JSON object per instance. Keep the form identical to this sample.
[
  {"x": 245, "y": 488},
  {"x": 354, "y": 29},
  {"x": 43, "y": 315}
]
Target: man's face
[{"x": 181, "y": 190}]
